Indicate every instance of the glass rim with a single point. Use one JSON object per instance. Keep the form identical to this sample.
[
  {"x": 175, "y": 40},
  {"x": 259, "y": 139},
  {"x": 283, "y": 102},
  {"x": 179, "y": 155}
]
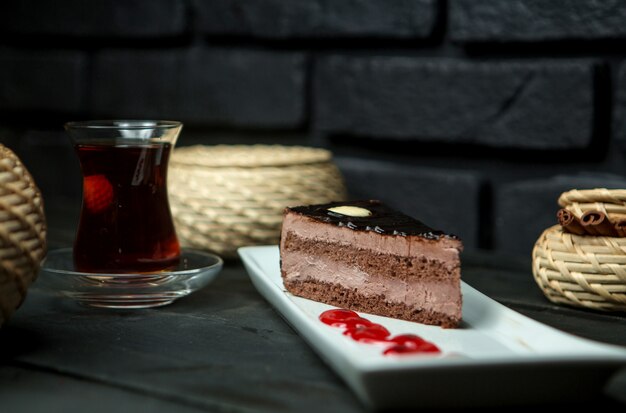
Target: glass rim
[{"x": 124, "y": 124}]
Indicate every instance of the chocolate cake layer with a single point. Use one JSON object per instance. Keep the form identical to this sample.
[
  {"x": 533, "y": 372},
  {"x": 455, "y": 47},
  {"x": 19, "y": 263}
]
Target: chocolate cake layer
[
  {"x": 338, "y": 296},
  {"x": 402, "y": 272}
]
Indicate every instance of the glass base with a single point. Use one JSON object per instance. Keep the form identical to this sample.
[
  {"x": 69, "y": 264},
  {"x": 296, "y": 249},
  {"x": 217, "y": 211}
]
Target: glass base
[{"x": 195, "y": 270}]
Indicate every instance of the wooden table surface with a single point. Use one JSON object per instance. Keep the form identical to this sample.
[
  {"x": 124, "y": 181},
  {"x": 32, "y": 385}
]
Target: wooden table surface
[{"x": 222, "y": 348}]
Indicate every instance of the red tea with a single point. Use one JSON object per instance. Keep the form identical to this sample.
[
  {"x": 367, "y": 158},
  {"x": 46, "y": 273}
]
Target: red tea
[{"x": 125, "y": 222}]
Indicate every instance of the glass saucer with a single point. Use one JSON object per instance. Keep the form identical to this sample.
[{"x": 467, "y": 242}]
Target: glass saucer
[{"x": 139, "y": 290}]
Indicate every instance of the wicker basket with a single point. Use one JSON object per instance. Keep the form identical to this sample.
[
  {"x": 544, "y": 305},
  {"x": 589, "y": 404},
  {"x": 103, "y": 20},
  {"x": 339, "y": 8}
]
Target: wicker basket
[
  {"x": 225, "y": 197},
  {"x": 22, "y": 232},
  {"x": 583, "y": 270}
]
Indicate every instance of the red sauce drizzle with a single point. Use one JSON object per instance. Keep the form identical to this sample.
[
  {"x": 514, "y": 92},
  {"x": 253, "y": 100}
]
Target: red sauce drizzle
[{"x": 363, "y": 330}]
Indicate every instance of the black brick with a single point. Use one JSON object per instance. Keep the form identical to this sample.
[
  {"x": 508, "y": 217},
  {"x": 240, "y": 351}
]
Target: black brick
[
  {"x": 443, "y": 199},
  {"x": 98, "y": 18},
  {"x": 42, "y": 80},
  {"x": 317, "y": 18},
  {"x": 536, "y": 20},
  {"x": 215, "y": 86},
  {"x": 50, "y": 158},
  {"x": 512, "y": 104},
  {"x": 243, "y": 87},
  {"x": 137, "y": 84},
  {"x": 619, "y": 123},
  {"x": 525, "y": 209},
  {"x": 10, "y": 139}
]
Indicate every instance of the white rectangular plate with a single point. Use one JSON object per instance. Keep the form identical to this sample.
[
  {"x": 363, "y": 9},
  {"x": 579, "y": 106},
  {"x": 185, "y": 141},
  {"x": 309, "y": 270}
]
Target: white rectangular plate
[{"x": 497, "y": 356}]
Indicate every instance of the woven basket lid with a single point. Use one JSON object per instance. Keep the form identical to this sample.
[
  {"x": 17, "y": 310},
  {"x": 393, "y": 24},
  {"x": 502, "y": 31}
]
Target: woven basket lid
[
  {"x": 228, "y": 196},
  {"x": 247, "y": 156},
  {"x": 22, "y": 232},
  {"x": 612, "y": 202},
  {"x": 613, "y": 196}
]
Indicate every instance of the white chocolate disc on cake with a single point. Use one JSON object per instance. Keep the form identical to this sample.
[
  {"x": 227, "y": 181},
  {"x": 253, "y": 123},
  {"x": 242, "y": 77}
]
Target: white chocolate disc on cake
[{"x": 351, "y": 211}]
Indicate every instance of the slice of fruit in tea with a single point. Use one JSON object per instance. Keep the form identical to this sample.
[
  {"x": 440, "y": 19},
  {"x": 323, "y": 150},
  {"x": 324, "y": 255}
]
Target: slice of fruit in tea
[{"x": 98, "y": 193}]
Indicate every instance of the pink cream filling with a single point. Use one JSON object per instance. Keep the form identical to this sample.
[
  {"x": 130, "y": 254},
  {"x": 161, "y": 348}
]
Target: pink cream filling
[{"x": 435, "y": 295}]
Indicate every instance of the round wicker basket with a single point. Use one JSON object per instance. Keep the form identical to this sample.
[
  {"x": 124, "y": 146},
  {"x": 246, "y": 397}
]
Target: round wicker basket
[
  {"x": 227, "y": 196},
  {"x": 583, "y": 270},
  {"x": 22, "y": 232}
]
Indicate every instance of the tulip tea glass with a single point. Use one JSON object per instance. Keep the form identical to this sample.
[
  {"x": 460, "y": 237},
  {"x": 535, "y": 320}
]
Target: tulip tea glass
[
  {"x": 126, "y": 254},
  {"x": 125, "y": 223}
]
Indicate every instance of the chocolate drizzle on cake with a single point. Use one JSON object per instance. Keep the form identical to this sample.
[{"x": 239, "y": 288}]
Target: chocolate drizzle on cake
[{"x": 383, "y": 220}]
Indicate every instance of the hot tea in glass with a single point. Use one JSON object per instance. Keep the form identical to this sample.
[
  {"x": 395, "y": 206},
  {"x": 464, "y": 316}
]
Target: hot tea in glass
[{"x": 125, "y": 224}]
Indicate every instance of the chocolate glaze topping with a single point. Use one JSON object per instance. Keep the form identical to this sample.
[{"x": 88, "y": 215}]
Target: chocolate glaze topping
[{"x": 383, "y": 220}]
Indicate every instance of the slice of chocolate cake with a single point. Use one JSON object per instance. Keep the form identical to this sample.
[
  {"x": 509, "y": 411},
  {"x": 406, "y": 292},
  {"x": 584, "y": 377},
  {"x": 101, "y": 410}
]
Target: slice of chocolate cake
[{"x": 367, "y": 257}]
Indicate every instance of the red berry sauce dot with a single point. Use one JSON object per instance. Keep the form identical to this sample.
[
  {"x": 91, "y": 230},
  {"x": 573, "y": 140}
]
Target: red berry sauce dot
[
  {"x": 337, "y": 317},
  {"x": 362, "y": 330},
  {"x": 371, "y": 333}
]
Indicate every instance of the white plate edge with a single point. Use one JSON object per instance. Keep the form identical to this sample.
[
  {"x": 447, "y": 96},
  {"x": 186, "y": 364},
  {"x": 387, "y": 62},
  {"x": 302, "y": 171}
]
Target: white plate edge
[{"x": 606, "y": 352}]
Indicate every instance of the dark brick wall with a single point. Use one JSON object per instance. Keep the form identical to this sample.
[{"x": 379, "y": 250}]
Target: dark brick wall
[
  {"x": 95, "y": 18},
  {"x": 280, "y": 19},
  {"x": 473, "y": 115},
  {"x": 502, "y": 104},
  {"x": 536, "y": 20},
  {"x": 233, "y": 87},
  {"x": 48, "y": 80}
]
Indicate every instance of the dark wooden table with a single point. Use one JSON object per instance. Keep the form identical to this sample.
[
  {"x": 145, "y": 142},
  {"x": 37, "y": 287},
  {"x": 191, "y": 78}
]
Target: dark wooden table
[{"x": 220, "y": 349}]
